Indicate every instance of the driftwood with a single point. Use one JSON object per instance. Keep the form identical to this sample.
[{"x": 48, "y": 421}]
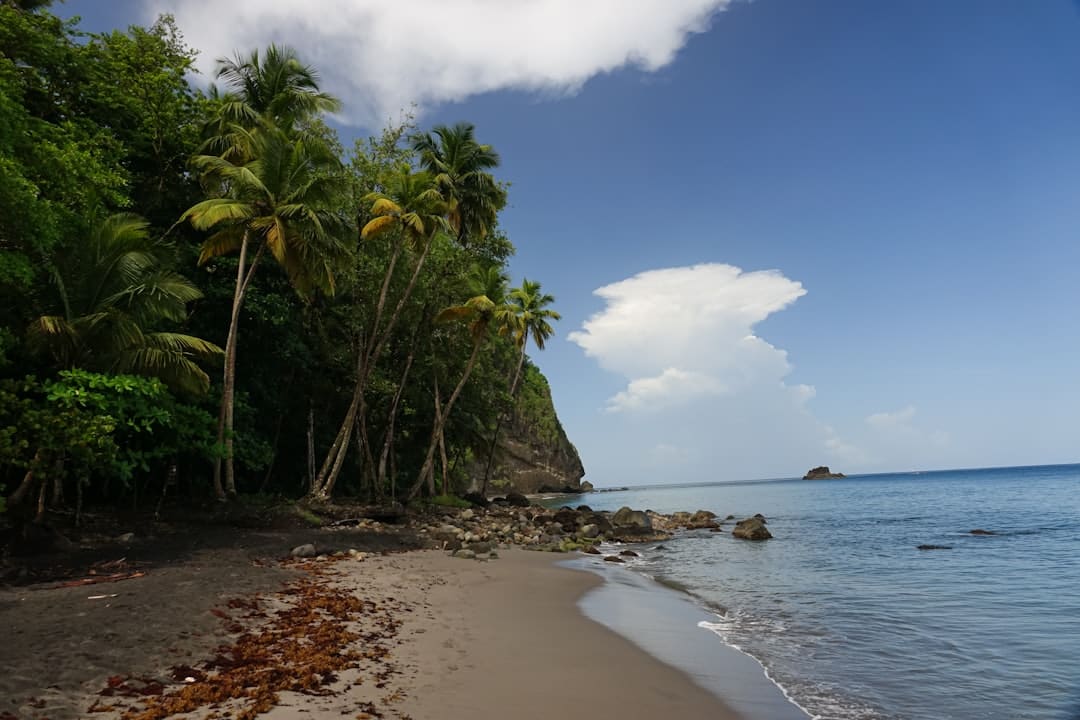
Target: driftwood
[
  {"x": 94, "y": 580},
  {"x": 381, "y": 513}
]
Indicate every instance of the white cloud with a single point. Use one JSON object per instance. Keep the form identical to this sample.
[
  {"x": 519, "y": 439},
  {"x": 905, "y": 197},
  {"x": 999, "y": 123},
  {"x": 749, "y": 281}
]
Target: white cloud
[
  {"x": 697, "y": 374},
  {"x": 887, "y": 420},
  {"x": 671, "y": 387},
  {"x": 382, "y": 56}
]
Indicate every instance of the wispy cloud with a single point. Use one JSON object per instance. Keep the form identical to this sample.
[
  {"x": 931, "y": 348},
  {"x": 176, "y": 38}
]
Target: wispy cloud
[{"x": 384, "y": 56}]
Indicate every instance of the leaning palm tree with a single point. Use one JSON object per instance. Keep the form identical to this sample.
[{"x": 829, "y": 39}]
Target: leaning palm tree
[
  {"x": 113, "y": 292},
  {"x": 411, "y": 213},
  {"x": 485, "y": 311},
  {"x": 280, "y": 200},
  {"x": 531, "y": 306},
  {"x": 460, "y": 167}
]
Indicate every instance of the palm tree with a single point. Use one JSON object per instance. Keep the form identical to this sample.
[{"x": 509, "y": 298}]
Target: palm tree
[
  {"x": 279, "y": 198},
  {"x": 531, "y": 307},
  {"x": 411, "y": 211},
  {"x": 112, "y": 292},
  {"x": 485, "y": 311},
  {"x": 460, "y": 167}
]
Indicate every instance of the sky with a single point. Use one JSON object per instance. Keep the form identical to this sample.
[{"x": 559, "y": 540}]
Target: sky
[{"x": 781, "y": 233}]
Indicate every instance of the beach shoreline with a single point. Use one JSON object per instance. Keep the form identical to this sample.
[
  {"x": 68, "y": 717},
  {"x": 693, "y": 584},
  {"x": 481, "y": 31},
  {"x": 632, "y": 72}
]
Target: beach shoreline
[{"x": 478, "y": 639}]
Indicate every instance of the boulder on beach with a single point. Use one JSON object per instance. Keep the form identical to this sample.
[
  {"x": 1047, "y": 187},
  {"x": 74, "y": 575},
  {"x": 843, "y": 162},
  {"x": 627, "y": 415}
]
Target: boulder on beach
[
  {"x": 821, "y": 472},
  {"x": 624, "y": 517},
  {"x": 516, "y": 499},
  {"x": 303, "y": 551},
  {"x": 477, "y": 499},
  {"x": 568, "y": 518},
  {"x": 752, "y": 528}
]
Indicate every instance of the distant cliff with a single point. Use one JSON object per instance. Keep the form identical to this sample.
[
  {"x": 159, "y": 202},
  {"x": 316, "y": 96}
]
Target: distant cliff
[{"x": 534, "y": 451}]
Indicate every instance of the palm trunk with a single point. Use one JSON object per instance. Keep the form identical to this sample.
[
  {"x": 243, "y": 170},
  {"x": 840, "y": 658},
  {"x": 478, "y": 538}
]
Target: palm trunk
[
  {"x": 499, "y": 421},
  {"x": 388, "y": 440},
  {"x": 368, "y": 358},
  {"x": 225, "y": 417},
  {"x": 429, "y": 459}
]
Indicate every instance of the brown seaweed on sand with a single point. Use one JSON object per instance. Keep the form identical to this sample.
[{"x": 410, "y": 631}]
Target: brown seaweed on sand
[{"x": 313, "y": 632}]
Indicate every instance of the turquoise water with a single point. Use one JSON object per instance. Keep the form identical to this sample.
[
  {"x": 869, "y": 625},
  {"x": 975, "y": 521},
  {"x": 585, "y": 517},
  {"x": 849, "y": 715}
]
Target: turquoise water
[{"x": 852, "y": 621}]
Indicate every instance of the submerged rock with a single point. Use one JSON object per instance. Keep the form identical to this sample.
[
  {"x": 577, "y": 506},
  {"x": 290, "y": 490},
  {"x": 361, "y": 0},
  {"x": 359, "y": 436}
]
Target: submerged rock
[
  {"x": 613, "y": 559},
  {"x": 629, "y": 553},
  {"x": 980, "y": 531},
  {"x": 933, "y": 547},
  {"x": 752, "y": 528}
]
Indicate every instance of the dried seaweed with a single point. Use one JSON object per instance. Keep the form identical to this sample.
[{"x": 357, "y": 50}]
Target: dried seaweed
[{"x": 302, "y": 647}]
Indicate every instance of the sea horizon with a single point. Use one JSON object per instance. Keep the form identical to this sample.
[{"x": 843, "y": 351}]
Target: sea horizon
[{"x": 847, "y": 476}]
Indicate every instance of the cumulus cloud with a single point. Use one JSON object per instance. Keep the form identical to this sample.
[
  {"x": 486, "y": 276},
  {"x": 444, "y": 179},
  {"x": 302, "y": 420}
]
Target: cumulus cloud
[
  {"x": 684, "y": 339},
  {"x": 707, "y": 398},
  {"x": 384, "y": 56}
]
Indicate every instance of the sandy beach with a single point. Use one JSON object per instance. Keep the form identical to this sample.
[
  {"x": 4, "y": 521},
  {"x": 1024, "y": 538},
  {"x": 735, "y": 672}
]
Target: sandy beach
[{"x": 433, "y": 637}]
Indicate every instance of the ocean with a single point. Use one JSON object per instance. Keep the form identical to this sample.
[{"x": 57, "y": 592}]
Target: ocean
[{"x": 847, "y": 618}]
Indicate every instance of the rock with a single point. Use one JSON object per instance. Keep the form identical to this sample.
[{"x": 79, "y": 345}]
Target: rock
[
  {"x": 586, "y": 486},
  {"x": 584, "y": 509},
  {"x": 493, "y": 555},
  {"x": 752, "y": 528},
  {"x": 613, "y": 558},
  {"x": 480, "y": 547},
  {"x": 624, "y": 517},
  {"x": 476, "y": 499},
  {"x": 629, "y": 553},
  {"x": 821, "y": 472},
  {"x": 467, "y": 514},
  {"x": 568, "y": 518},
  {"x": 465, "y": 553},
  {"x": 304, "y": 551},
  {"x": 500, "y": 501},
  {"x": 452, "y": 545},
  {"x": 980, "y": 531},
  {"x": 702, "y": 519},
  {"x": 933, "y": 547},
  {"x": 516, "y": 499},
  {"x": 601, "y": 522},
  {"x": 590, "y": 531},
  {"x": 125, "y": 538},
  {"x": 682, "y": 519},
  {"x": 590, "y": 549}
]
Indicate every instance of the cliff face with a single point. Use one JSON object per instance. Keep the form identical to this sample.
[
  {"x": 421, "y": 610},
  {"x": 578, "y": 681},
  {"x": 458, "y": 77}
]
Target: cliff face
[{"x": 533, "y": 450}]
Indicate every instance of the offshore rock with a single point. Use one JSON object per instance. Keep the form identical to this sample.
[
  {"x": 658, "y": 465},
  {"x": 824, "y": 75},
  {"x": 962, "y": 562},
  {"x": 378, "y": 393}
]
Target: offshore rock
[
  {"x": 752, "y": 528},
  {"x": 821, "y": 472},
  {"x": 586, "y": 486}
]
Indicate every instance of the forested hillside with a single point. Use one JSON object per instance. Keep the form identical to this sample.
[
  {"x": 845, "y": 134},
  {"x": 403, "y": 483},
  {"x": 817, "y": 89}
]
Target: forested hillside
[{"x": 203, "y": 293}]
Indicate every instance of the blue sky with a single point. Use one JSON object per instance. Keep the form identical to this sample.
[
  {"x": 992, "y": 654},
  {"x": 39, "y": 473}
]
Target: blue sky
[{"x": 908, "y": 171}]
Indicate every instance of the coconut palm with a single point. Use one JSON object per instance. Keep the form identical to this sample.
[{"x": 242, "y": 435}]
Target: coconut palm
[
  {"x": 487, "y": 310},
  {"x": 531, "y": 307},
  {"x": 460, "y": 167},
  {"x": 411, "y": 212},
  {"x": 113, "y": 292},
  {"x": 279, "y": 198}
]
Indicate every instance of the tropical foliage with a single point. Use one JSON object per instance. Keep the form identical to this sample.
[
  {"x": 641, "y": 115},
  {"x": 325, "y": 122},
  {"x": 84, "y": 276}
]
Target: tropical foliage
[{"x": 169, "y": 256}]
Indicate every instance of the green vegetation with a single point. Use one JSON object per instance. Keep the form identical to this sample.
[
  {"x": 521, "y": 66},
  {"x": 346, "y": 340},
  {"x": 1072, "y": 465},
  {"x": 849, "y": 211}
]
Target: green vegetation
[{"x": 203, "y": 294}]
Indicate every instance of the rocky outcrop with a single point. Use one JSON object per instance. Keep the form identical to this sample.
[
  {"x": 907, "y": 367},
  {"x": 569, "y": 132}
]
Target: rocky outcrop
[
  {"x": 821, "y": 472},
  {"x": 752, "y": 528},
  {"x": 534, "y": 454}
]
